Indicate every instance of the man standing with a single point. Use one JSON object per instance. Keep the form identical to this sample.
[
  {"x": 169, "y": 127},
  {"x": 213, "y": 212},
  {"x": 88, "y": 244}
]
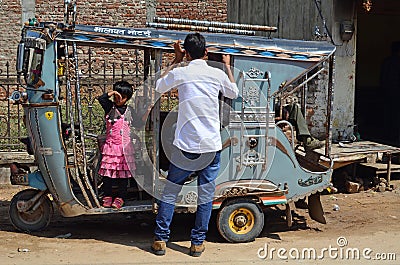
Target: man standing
[{"x": 197, "y": 136}]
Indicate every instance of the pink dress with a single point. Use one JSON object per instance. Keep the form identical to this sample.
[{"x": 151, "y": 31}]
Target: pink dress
[{"x": 118, "y": 152}]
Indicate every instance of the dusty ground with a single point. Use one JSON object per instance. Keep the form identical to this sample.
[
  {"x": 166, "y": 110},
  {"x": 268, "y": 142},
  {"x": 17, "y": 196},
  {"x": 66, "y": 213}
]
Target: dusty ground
[{"x": 368, "y": 221}]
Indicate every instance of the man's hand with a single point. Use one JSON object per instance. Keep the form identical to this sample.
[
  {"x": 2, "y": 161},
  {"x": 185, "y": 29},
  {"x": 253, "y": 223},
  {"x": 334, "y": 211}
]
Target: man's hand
[
  {"x": 226, "y": 59},
  {"x": 179, "y": 52}
]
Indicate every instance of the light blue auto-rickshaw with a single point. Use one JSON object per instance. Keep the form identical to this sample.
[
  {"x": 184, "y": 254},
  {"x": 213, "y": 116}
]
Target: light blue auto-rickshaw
[{"x": 260, "y": 166}]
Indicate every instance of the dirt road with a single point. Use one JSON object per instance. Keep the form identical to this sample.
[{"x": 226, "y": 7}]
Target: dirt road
[{"x": 366, "y": 223}]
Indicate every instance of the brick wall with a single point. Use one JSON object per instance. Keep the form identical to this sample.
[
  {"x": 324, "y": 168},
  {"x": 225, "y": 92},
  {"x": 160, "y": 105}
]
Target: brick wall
[
  {"x": 100, "y": 12},
  {"x": 95, "y": 12},
  {"x": 10, "y": 12},
  {"x": 214, "y": 10}
]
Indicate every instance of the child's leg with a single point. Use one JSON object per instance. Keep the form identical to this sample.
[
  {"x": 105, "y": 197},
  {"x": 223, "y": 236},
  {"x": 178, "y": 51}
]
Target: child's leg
[
  {"x": 107, "y": 186},
  {"x": 122, "y": 187},
  {"x": 122, "y": 192}
]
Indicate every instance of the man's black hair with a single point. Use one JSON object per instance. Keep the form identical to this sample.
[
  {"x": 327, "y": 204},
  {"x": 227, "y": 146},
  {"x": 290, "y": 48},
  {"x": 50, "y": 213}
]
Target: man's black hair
[
  {"x": 195, "y": 45},
  {"x": 124, "y": 88}
]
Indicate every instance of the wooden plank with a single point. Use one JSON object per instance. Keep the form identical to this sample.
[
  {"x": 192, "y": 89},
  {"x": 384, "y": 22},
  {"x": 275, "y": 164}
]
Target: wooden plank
[
  {"x": 310, "y": 20},
  {"x": 246, "y": 8},
  {"x": 291, "y": 19},
  {"x": 381, "y": 166},
  {"x": 258, "y": 12},
  {"x": 328, "y": 12},
  {"x": 21, "y": 157},
  {"x": 296, "y": 29},
  {"x": 361, "y": 147},
  {"x": 274, "y": 15},
  {"x": 233, "y": 11},
  {"x": 294, "y": 19},
  {"x": 284, "y": 19}
]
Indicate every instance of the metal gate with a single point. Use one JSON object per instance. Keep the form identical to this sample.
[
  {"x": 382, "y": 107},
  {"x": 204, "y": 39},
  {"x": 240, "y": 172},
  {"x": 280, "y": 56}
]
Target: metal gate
[{"x": 99, "y": 68}]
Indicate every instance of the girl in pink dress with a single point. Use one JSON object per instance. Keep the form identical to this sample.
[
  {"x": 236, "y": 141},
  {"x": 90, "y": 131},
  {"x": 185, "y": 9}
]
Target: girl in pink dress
[{"x": 118, "y": 160}]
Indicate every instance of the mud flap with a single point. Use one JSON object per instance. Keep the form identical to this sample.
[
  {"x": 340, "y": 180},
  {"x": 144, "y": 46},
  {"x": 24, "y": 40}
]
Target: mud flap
[{"x": 315, "y": 208}]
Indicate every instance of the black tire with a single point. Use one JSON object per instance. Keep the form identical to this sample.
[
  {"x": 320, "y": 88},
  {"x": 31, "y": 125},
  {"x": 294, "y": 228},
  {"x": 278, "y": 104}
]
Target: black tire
[
  {"x": 240, "y": 220},
  {"x": 30, "y": 221}
]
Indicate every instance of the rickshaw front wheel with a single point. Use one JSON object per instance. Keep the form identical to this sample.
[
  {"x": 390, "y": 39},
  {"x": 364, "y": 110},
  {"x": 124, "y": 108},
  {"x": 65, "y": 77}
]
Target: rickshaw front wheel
[{"x": 34, "y": 219}]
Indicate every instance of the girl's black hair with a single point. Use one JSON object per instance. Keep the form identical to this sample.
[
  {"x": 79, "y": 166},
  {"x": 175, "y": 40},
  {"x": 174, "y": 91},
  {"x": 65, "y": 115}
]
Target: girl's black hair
[{"x": 124, "y": 88}]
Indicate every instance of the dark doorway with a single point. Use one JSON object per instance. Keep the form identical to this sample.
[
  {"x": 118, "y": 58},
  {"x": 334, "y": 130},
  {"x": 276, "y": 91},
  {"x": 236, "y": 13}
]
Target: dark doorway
[{"x": 377, "y": 29}]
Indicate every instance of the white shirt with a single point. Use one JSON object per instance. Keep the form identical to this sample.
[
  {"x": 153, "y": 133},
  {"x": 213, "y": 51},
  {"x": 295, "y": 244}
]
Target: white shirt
[{"x": 198, "y": 125}]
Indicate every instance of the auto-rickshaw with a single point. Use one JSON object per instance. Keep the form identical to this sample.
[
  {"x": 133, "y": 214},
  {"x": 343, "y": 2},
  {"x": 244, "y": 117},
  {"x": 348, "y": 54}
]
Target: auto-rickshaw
[{"x": 260, "y": 166}]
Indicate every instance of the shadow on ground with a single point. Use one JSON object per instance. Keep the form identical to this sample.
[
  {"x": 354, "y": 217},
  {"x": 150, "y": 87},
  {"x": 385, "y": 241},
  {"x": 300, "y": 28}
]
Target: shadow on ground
[{"x": 136, "y": 229}]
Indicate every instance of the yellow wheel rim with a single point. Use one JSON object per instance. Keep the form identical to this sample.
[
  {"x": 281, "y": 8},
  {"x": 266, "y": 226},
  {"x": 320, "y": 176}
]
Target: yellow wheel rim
[{"x": 241, "y": 221}]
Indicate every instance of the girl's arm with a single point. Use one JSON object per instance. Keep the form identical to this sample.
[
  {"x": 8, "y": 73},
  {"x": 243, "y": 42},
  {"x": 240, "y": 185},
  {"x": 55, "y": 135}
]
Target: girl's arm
[{"x": 105, "y": 101}]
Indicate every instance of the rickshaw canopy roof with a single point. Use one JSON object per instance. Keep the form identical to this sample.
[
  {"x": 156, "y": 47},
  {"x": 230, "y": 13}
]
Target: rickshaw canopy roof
[{"x": 239, "y": 45}]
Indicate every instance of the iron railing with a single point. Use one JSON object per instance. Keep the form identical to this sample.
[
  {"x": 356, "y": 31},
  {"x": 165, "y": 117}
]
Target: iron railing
[
  {"x": 99, "y": 69},
  {"x": 11, "y": 128}
]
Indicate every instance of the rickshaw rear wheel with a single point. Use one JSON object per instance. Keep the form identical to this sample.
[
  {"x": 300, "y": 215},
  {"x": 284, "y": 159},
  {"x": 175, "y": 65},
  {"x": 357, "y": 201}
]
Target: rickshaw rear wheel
[
  {"x": 31, "y": 220},
  {"x": 240, "y": 220}
]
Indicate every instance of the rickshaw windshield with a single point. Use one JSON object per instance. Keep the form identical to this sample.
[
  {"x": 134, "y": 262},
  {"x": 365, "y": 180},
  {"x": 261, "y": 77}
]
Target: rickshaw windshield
[{"x": 34, "y": 61}]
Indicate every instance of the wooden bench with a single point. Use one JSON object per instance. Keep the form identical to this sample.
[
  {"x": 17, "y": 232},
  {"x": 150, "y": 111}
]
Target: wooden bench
[{"x": 381, "y": 168}]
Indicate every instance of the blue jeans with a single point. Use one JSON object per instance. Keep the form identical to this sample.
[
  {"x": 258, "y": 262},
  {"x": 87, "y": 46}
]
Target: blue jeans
[{"x": 206, "y": 189}]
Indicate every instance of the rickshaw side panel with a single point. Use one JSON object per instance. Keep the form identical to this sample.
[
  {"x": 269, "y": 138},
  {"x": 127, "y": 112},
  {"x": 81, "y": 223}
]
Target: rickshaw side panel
[
  {"x": 43, "y": 120},
  {"x": 44, "y": 126}
]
